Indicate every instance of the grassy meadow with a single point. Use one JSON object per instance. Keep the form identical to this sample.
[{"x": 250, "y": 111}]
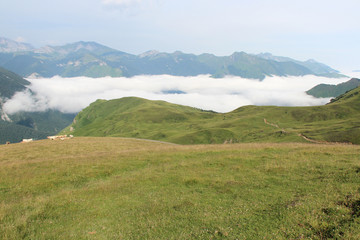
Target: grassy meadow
[
  {"x": 116, "y": 188},
  {"x": 159, "y": 120}
]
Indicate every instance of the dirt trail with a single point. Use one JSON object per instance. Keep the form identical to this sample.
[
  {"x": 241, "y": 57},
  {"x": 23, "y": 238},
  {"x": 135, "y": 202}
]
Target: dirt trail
[
  {"x": 314, "y": 141},
  {"x": 274, "y": 125},
  {"x": 149, "y": 140},
  {"x": 303, "y": 136}
]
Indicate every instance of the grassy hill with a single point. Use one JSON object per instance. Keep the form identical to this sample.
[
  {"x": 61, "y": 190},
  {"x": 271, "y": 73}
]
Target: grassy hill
[
  {"x": 328, "y": 90},
  {"x": 159, "y": 120},
  {"x": 114, "y": 188}
]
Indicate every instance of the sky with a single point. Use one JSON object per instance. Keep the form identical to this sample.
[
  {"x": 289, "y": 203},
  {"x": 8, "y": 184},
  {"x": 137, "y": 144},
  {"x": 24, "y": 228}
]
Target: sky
[
  {"x": 325, "y": 30},
  {"x": 71, "y": 95}
]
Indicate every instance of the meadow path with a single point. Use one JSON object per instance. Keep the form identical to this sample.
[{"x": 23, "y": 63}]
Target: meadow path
[{"x": 299, "y": 134}]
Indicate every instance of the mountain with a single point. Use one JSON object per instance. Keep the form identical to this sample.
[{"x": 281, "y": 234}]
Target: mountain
[
  {"x": 95, "y": 60},
  {"x": 159, "y": 120},
  {"x": 11, "y": 83},
  {"x": 8, "y": 45},
  {"x": 50, "y": 121},
  {"x": 328, "y": 90},
  {"x": 317, "y": 68},
  {"x": 38, "y": 125},
  {"x": 79, "y": 47},
  {"x": 71, "y": 60},
  {"x": 14, "y": 133}
]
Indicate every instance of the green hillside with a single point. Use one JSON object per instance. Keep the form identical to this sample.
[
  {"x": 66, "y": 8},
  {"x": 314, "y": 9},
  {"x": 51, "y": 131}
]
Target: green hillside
[
  {"x": 14, "y": 133},
  {"x": 51, "y": 121},
  {"x": 36, "y": 125},
  {"x": 10, "y": 83},
  {"x": 159, "y": 120},
  {"x": 328, "y": 90},
  {"x": 114, "y": 188}
]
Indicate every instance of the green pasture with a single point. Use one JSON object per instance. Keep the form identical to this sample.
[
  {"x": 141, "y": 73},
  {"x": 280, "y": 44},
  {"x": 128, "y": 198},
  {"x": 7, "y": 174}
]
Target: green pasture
[{"x": 116, "y": 188}]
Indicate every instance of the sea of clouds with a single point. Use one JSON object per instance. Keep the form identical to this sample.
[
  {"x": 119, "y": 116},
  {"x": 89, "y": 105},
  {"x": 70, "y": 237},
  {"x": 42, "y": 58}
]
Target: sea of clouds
[{"x": 71, "y": 95}]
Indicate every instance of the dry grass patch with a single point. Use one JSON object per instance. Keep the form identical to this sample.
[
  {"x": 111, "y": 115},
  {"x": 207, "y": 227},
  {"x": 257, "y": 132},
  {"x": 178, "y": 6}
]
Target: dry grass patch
[{"x": 112, "y": 188}]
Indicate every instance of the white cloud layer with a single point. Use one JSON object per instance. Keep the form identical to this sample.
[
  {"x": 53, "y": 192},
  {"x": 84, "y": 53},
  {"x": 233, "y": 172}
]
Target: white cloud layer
[{"x": 222, "y": 95}]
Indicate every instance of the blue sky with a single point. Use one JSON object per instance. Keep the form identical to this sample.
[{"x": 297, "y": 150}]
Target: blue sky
[{"x": 325, "y": 30}]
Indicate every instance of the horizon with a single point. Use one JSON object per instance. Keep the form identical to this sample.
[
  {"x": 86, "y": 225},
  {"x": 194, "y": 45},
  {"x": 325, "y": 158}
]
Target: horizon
[{"x": 326, "y": 31}]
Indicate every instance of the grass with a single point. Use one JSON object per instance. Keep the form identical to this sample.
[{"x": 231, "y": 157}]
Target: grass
[
  {"x": 158, "y": 120},
  {"x": 115, "y": 188}
]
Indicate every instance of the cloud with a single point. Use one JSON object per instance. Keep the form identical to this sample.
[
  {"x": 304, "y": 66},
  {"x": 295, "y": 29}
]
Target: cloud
[
  {"x": 25, "y": 101},
  {"x": 71, "y": 95}
]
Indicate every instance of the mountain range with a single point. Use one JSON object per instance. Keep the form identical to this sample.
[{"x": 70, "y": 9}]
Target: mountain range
[{"x": 95, "y": 60}]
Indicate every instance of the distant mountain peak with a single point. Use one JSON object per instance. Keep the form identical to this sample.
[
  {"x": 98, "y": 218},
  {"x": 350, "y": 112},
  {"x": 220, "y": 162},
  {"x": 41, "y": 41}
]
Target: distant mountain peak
[
  {"x": 46, "y": 50},
  {"x": 265, "y": 55},
  {"x": 239, "y": 53},
  {"x": 8, "y": 45},
  {"x": 178, "y": 52},
  {"x": 312, "y": 61},
  {"x": 90, "y": 46},
  {"x": 270, "y": 56},
  {"x": 311, "y": 64},
  {"x": 76, "y": 47},
  {"x": 149, "y": 53}
]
